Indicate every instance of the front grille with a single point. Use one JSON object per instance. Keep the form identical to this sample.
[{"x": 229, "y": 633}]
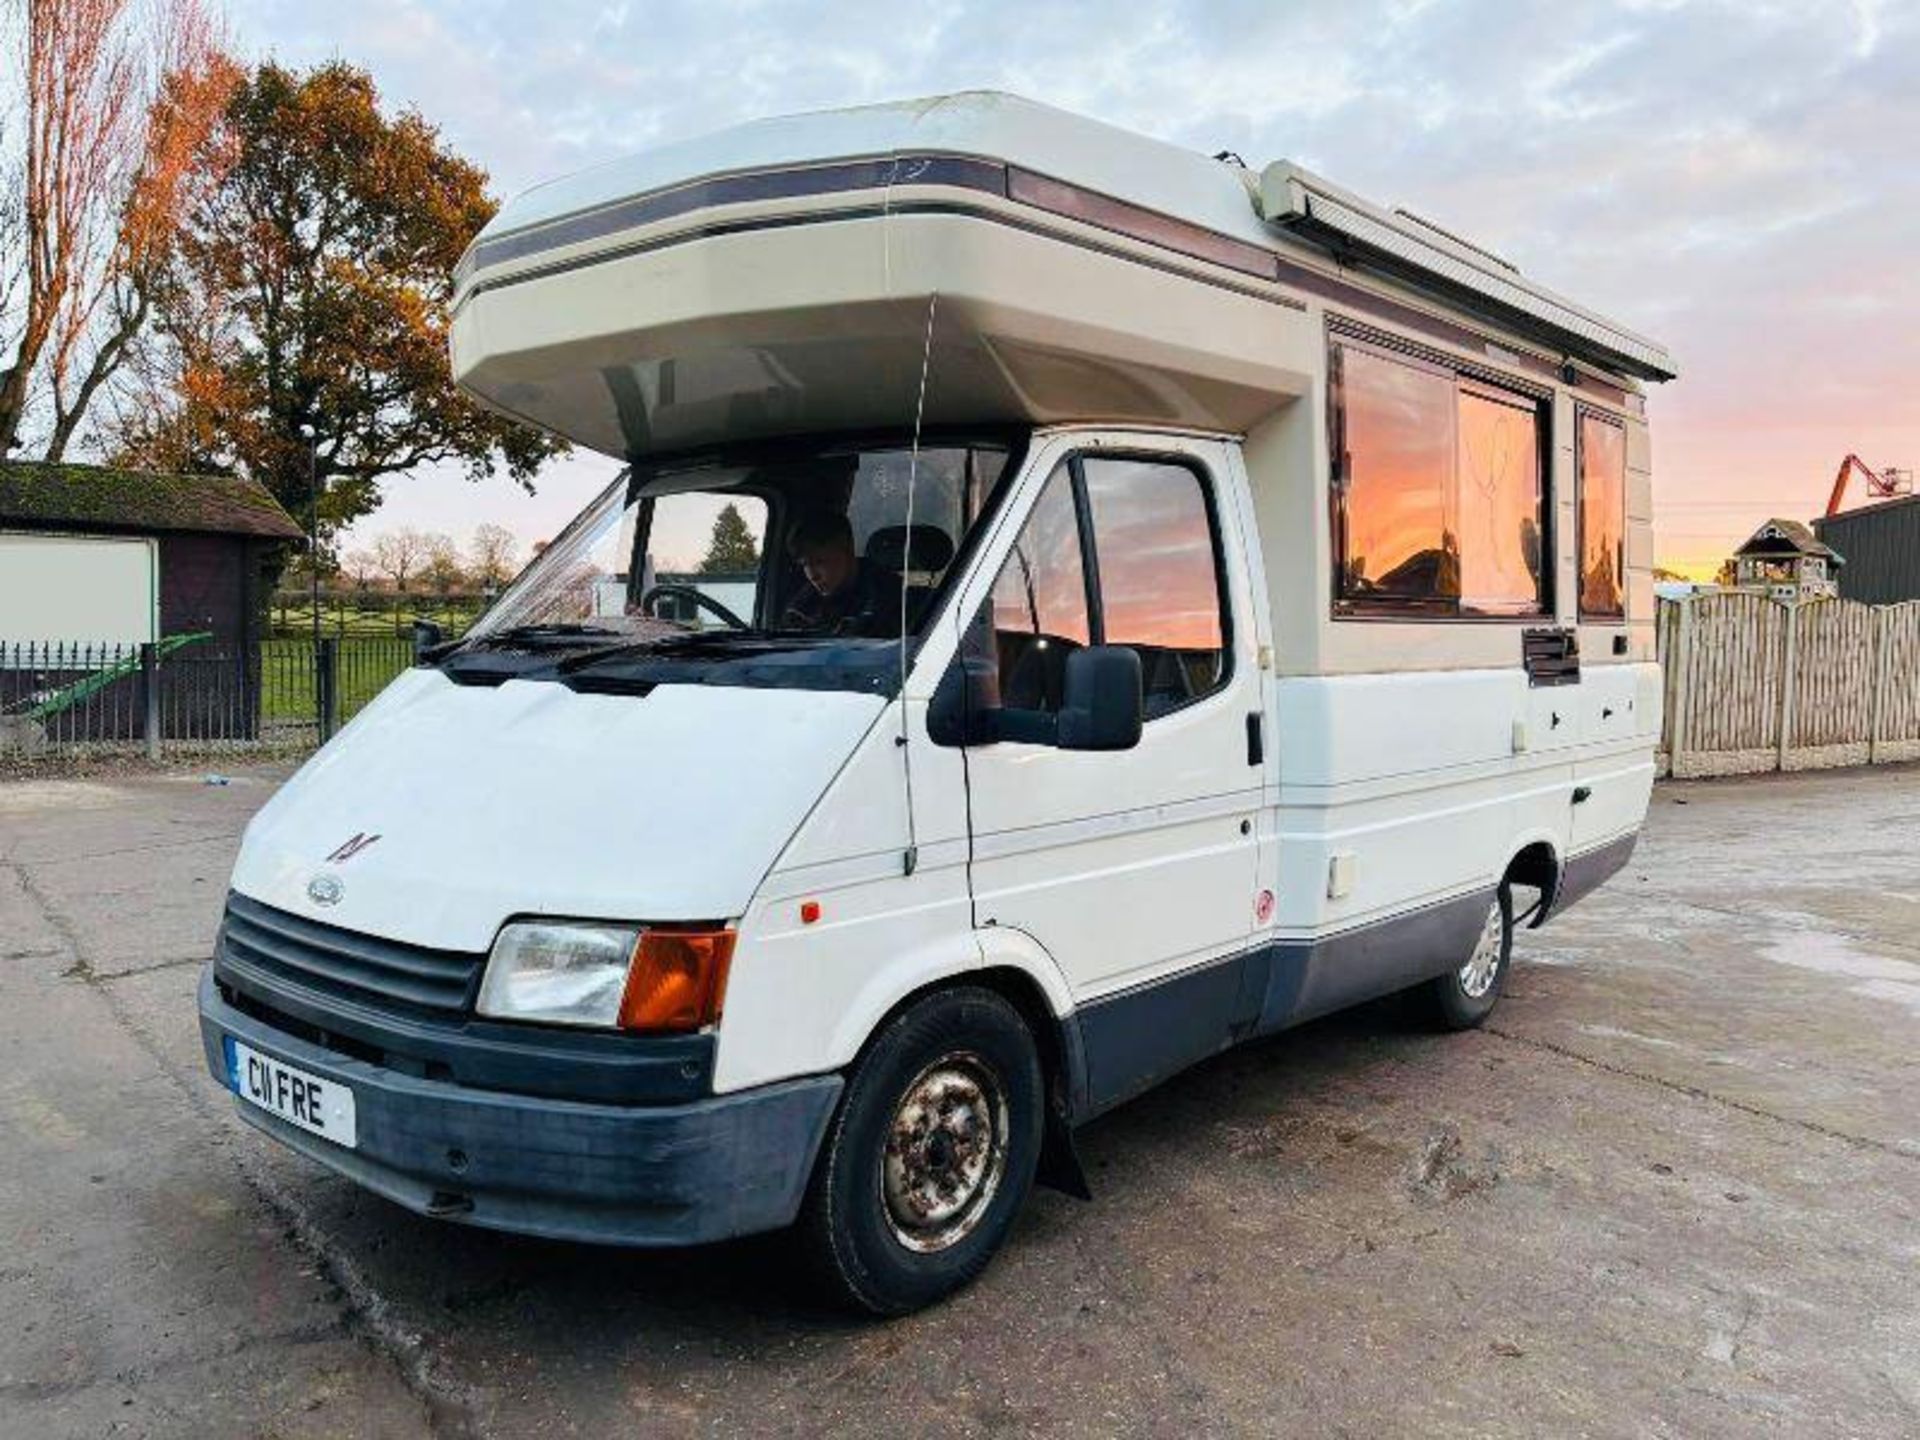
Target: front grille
[{"x": 272, "y": 945}]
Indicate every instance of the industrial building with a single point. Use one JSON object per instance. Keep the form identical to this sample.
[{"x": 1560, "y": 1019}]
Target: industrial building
[{"x": 1881, "y": 543}]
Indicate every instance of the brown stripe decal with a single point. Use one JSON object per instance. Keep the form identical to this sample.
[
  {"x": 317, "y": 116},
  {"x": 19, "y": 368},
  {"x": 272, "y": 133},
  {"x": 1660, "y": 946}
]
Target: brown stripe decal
[
  {"x": 1136, "y": 222},
  {"x": 961, "y": 172}
]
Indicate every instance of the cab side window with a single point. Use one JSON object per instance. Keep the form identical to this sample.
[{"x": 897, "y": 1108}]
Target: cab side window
[
  {"x": 1039, "y": 602},
  {"x": 1151, "y": 581},
  {"x": 1159, "y": 572}
]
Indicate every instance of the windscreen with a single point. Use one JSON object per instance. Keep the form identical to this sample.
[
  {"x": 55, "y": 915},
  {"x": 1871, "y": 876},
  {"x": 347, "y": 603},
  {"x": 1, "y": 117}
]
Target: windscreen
[{"x": 795, "y": 549}]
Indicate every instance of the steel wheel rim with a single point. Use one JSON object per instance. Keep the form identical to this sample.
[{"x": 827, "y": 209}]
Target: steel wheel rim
[
  {"x": 946, "y": 1152},
  {"x": 1483, "y": 966}
]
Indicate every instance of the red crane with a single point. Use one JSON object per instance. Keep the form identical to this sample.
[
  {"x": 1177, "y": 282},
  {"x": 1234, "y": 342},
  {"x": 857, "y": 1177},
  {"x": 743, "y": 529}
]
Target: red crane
[{"x": 1881, "y": 484}]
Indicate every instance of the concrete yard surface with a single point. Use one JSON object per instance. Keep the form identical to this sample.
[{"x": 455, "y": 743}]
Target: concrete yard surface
[{"x": 1672, "y": 1189}]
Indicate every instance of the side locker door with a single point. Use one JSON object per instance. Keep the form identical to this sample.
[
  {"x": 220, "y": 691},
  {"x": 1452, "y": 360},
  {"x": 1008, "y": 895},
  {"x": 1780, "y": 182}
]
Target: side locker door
[{"x": 1134, "y": 869}]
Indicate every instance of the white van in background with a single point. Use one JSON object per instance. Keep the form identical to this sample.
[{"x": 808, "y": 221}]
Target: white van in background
[{"x": 1188, "y": 602}]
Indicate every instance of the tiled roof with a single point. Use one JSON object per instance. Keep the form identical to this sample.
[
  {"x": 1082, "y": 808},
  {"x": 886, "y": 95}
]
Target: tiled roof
[
  {"x": 95, "y": 498},
  {"x": 1778, "y": 537}
]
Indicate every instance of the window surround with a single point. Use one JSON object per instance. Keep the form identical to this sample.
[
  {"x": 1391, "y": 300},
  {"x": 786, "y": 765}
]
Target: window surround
[
  {"x": 1581, "y": 414},
  {"x": 1470, "y": 376},
  {"x": 1089, "y": 557}
]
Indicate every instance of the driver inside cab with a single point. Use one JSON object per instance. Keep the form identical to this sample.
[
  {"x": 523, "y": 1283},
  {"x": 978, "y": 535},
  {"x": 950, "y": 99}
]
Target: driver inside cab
[{"x": 843, "y": 594}]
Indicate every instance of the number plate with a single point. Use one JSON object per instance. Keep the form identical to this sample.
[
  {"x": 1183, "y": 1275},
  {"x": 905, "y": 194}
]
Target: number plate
[{"x": 320, "y": 1107}]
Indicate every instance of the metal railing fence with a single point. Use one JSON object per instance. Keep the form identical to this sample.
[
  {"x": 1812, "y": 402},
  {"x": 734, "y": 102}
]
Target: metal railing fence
[{"x": 188, "y": 692}]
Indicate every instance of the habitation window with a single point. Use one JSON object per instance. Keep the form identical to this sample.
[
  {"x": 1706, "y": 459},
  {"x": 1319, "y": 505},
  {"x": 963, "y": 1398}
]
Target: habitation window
[
  {"x": 1440, "y": 507},
  {"x": 1154, "y": 584},
  {"x": 1601, "y": 458}
]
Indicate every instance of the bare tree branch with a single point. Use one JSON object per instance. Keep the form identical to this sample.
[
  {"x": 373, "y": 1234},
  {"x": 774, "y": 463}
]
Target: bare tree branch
[
  {"x": 117, "y": 99},
  {"x": 81, "y": 82},
  {"x": 177, "y": 162}
]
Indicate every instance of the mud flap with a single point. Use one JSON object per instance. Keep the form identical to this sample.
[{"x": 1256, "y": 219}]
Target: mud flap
[{"x": 1060, "y": 1168}]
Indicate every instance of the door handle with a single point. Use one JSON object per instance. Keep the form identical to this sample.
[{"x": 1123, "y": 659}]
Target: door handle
[
  {"x": 1582, "y": 794},
  {"x": 1256, "y": 740}
]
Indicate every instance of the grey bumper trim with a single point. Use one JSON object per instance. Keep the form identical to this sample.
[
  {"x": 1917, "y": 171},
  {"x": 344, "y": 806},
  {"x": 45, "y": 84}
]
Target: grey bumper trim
[
  {"x": 681, "y": 1174},
  {"x": 1590, "y": 869}
]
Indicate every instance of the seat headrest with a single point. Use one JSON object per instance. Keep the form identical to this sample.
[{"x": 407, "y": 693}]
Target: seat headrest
[{"x": 924, "y": 547}]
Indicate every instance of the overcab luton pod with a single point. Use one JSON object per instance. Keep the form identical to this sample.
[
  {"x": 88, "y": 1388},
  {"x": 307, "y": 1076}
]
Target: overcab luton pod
[{"x": 1072, "y": 605}]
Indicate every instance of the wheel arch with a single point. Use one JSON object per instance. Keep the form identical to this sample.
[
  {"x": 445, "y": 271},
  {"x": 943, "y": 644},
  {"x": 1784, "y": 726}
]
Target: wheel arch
[
  {"x": 1000, "y": 958},
  {"x": 1537, "y": 863}
]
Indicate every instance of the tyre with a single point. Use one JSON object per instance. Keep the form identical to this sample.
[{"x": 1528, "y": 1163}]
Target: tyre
[
  {"x": 1464, "y": 997},
  {"x": 930, "y": 1155}
]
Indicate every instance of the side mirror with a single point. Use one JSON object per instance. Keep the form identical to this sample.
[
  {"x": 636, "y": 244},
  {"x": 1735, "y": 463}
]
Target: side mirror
[
  {"x": 426, "y": 635},
  {"x": 1101, "y": 702}
]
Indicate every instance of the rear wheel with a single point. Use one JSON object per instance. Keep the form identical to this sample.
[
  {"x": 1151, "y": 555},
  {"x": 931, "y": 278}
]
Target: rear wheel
[
  {"x": 930, "y": 1155},
  {"x": 1464, "y": 997}
]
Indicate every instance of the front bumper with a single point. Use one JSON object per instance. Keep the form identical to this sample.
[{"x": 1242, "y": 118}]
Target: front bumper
[{"x": 679, "y": 1174}]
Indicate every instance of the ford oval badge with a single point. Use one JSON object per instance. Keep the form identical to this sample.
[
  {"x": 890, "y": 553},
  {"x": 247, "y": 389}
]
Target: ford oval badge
[{"x": 325, "y": 889}]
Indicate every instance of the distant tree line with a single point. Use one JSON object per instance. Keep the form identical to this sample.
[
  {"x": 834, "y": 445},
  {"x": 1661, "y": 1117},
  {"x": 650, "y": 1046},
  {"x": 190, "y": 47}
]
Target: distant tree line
[{"x": 411, "y": 561}]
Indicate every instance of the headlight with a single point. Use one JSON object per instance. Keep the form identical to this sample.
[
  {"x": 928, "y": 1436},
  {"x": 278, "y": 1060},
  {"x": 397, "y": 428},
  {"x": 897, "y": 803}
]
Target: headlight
[
  {"x": 562, "y": 974},
  {"x": 661, "y": 979}
]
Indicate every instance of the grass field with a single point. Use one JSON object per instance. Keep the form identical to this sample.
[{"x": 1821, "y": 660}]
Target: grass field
[
  {"x": 366, "y": 664},
  {"x": 373, "y": 642}
]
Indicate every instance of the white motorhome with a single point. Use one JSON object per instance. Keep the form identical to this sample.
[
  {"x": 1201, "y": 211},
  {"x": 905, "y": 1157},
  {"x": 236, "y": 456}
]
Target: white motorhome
[{"x": 1189, "y": 600}]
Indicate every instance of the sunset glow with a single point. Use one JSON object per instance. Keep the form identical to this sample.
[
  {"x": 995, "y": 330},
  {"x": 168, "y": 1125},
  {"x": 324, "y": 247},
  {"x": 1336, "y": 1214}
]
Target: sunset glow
[{"x": 1735, "y": 181}]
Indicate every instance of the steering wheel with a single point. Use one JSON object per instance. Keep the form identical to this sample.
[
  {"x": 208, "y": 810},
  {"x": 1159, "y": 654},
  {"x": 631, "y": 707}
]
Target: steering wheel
[{"x": 700, "y": 599}]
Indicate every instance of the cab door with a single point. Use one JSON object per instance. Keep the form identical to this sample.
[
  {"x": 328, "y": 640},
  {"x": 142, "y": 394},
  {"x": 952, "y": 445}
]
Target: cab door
[{"x": 1135, "y": 869}]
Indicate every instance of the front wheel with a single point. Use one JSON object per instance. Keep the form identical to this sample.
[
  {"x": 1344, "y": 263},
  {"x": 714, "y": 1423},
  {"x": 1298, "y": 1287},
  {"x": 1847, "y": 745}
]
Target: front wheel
[
  {"x": 1464, "y": 997},
  {"x": 930, "y": 1155}
]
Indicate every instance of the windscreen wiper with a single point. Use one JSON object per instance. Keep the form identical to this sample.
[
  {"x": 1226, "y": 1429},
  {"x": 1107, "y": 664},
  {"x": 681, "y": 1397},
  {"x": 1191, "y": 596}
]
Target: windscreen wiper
[
  {"x": 551, "y": 630},
  {"x": 694, "y": 642}
]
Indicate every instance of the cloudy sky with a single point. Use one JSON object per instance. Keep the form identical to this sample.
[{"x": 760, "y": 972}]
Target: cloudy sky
[{"x": 1741, "y": 180}]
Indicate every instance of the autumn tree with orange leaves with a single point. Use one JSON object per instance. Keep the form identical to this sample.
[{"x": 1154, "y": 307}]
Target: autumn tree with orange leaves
[
  {"x": 109, "y": 112},
  {"x": 310, "y": 296}
]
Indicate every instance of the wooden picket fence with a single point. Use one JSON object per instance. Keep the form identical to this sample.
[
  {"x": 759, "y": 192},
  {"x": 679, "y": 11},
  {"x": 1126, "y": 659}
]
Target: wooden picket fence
[{"x": 1753, "y": 683}]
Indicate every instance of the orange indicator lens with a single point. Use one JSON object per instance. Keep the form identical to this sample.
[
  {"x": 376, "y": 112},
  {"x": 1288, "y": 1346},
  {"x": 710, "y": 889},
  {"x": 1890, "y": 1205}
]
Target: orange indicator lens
[{"x": 677, "y": 982}]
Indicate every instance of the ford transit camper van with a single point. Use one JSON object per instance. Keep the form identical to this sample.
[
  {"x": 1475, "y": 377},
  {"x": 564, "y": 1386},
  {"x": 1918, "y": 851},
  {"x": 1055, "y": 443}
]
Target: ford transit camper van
[{"x": 1163, "y": 602}]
